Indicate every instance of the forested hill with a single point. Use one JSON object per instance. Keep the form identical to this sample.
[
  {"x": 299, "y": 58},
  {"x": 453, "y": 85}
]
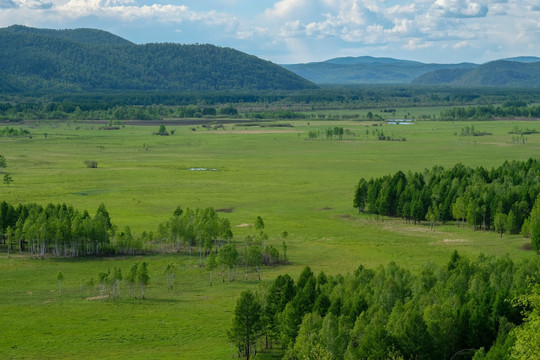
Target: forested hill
[
  {"x": 495, "y": 73},
  {"x": 87, "y": 59}
]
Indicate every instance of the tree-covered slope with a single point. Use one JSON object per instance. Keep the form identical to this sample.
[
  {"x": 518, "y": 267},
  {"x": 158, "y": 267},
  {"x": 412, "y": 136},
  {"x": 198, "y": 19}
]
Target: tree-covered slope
[
  {"x": 85, "y": 59},
  {"x": 496, "y": 73},
  {"x": 83, "y": 36}
]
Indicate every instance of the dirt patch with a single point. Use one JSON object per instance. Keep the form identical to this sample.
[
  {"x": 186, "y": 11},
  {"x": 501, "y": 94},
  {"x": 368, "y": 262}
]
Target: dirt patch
[
  {"x": 326, "y": 208},
  {"x": 254, "y": 132},
  {"x": 94, "y": 298},
  {"x": 452, "y": 241},
  {"x": 228, "y": 210},
  {"x": 499, "y": 144},
  {"x": 242, "y": 225},
  {"x": 344, "y": 216}
]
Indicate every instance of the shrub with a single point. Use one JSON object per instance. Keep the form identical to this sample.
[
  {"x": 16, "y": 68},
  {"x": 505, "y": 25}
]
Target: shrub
[{"x": 91, "y": 164}]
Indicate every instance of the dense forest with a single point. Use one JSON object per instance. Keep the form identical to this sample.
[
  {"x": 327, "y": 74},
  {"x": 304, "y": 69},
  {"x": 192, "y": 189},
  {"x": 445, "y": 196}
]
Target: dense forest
[
  {"x": 505, "y": 199},
  {"x": 487, "y": 307},
  {"x": 55, "y": 61}
]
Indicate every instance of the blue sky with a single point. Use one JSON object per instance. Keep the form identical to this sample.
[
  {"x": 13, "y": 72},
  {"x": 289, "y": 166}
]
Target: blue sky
[{"x": 296, "y": 31}]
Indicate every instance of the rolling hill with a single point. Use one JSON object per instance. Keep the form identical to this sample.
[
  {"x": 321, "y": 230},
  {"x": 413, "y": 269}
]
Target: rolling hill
[{"x": 88, "y": 59}]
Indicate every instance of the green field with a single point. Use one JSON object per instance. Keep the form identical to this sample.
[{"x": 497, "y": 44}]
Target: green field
[{"x": 301, "y": 186}]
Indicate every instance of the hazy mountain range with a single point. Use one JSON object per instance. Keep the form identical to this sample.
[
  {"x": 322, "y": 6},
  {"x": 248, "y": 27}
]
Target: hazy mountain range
[{"x": 519, "y": 71}]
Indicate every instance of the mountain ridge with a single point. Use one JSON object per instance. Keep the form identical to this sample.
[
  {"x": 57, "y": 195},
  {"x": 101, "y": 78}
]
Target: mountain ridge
[
  {"x": 499, "y": 73},
  {"x": 384, "y": 70},
  {"x": 87, "y": 59}
]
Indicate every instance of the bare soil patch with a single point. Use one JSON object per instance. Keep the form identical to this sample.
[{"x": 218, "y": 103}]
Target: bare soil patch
[
  {"x": 254, "y": 132},
  {"x": 228, "y": 210},
  {"x": 453, "y": 241}
]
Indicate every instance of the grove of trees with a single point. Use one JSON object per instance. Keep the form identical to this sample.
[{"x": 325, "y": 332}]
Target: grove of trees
[{"x": 500, "y": 199}]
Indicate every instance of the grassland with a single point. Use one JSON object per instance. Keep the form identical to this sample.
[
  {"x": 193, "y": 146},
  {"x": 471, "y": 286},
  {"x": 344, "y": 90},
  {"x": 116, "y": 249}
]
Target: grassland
[{"x": 302, "y": 186}]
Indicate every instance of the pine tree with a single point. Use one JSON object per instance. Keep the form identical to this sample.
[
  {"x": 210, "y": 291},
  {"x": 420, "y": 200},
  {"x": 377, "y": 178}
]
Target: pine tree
[{"x": 247, "y": 324}]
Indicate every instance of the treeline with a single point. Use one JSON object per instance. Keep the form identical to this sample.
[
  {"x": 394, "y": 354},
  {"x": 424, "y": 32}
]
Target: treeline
[
  {"x": 488, "y": 112},
  {"x": 463, "y": 308},
  {"x": 106, "y": 111},
  {"x": 328, "y": 97},
  {"x": 499, "y": 199},
  {"x": 59, "y": 230}
]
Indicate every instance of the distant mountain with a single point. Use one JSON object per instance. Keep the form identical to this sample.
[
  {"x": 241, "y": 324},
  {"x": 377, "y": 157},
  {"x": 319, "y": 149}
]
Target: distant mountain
[
  {"x": 524, "y": 59},
  {"x": 87, "y": 59},
  {"x": 501, "y": 73},
  {"x": 368, "y": 70}
]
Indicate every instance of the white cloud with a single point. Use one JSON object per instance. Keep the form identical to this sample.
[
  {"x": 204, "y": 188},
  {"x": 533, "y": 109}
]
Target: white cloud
[
  {"x": 287, "y": 8},
  {"x": 415, "y": 44},
  {"x": 460, "y": 45},
  {"x": 27, "y": 4},
  {"x": 461, "y": 8}
]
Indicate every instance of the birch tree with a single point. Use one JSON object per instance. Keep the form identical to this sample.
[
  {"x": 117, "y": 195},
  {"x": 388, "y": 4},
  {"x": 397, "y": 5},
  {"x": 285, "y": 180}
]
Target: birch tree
[
  {"x": 211, "y": 264},
  {"x": 170, "y": 271},
  {"x": 142, "y": 277}
]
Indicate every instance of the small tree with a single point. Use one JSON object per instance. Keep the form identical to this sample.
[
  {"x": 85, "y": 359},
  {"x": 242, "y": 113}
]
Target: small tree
[
  {"x": 259, "y": 225},
  {"x": 3, "y": 163},
  {"x": 360, "y": 195},
  {"x": 534, "y": 225},
  {"x": 255, "y": 257},
  {"x": 500, "y": 223},
  {"x": 7, "y": 179},
  {"x": 103, "y": 279},
  {"x": 247, "y": 324},
  {"x": 170, "y": 271},
  {"x": 211, "y": 264},
  {"x": 162, "y": 130},
  {"x": 131, "y": 278},
  {"x": 60, "y": 278},
  {"x": 116, "y": 278},
  {"x": 91, "y": 164},
  {"x": 142, "y": 277}
]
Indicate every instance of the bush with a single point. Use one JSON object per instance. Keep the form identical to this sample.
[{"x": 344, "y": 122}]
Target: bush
[{"x": 91, "y": 164}]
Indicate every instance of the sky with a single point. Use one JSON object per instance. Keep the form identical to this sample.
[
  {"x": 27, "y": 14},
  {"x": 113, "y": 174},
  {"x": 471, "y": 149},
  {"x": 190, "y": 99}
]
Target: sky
[{"x": 300, "y": 31}]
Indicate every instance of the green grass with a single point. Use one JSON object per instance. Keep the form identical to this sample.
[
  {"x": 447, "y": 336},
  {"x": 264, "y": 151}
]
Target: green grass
[{"x": 302, "y": 186}]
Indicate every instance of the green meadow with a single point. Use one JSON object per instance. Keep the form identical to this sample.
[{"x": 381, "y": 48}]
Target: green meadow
[{"x": 299, "y": 185}]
